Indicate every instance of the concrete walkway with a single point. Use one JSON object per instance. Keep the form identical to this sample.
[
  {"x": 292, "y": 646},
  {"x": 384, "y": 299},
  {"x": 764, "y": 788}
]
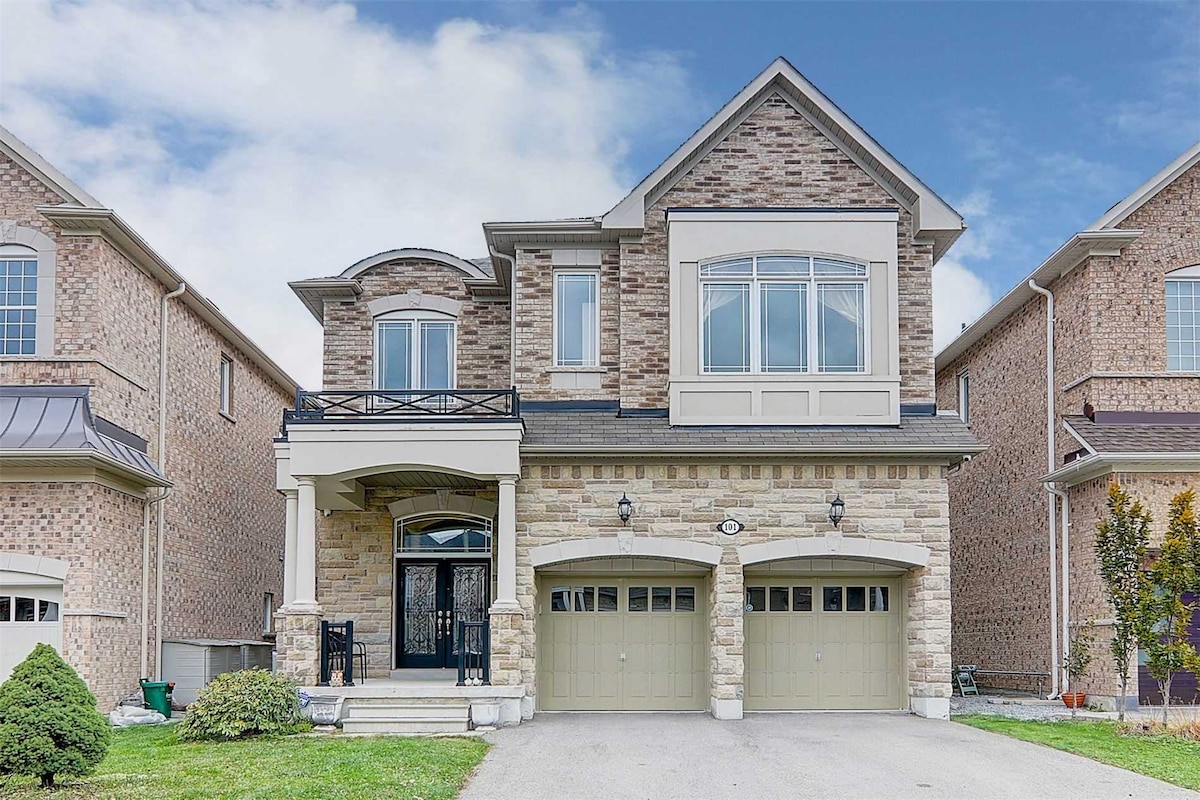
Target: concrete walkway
[{"x": 782, "y": 757}]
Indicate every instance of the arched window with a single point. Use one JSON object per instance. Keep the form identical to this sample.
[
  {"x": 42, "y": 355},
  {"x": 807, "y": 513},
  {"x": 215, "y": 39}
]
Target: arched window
[
  {"x": 18, "y": 300},
  {"x": 1183, "y": 319},
  {"x": 783, "y": 314},
  {"x": 414, "y": 350},
  {"x": 439, "y": 534}
]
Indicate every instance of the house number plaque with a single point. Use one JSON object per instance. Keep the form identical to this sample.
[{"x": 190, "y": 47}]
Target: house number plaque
[{"x": 731, "y": 527}]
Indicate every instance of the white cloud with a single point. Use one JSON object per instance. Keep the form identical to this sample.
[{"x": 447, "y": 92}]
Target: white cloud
[
  {"x": 253, "y": 144},
  {"x": 959, "y": 297}
]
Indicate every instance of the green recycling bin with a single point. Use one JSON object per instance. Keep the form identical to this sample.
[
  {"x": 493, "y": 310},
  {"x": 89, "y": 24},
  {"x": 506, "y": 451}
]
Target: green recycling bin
[{"x": 158, "y": 695}]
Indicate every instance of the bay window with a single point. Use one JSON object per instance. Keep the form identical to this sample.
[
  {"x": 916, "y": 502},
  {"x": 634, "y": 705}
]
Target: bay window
[
  {"x": 576, "y": 319},
  {"x": 783, "y": 314},
  {"x": 414, "y": 351}
]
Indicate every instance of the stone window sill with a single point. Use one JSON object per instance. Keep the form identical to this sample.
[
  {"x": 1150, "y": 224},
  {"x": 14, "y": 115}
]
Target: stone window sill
[
  {"x": 577, "y": 369},
  {"x": 227, "y": 417}
]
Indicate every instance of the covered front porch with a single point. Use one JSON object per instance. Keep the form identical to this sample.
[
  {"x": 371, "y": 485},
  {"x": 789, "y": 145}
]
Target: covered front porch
[{"x": 400, "y": 560}]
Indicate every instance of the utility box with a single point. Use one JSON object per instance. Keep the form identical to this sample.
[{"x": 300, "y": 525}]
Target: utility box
[{"x": 193, "y": 663}]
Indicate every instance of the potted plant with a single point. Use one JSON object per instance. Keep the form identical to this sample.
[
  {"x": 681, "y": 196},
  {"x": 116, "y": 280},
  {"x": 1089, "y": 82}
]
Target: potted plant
[{"x": 1079, "y": 656}]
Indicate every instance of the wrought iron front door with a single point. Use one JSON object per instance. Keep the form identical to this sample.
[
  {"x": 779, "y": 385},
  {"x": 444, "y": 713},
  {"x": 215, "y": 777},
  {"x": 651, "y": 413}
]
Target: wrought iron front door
[{"x": 434, "y": 596}]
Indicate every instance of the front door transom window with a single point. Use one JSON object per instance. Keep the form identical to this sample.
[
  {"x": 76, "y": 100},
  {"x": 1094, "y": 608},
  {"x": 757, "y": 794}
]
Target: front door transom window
[{"x": 442, "y": 536}]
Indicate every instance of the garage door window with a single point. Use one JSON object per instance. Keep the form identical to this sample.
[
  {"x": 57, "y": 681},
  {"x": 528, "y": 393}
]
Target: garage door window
[
  {"x": 879, "y": 598},
  {"x": 662, "y": 598},
  {"x": 583, "y": 599},
  {"x": 778, "y": 598},
  {"x": 832, "y": 598},
  {"x": 27, "y": 609}
]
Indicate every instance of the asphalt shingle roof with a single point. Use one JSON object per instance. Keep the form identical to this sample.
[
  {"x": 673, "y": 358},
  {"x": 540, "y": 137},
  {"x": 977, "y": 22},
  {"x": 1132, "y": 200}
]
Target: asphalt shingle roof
[
  {"x": 59, "y": 418},
  {"x": 604, "y": 430},
  {"x": 1137, "y": 437}
]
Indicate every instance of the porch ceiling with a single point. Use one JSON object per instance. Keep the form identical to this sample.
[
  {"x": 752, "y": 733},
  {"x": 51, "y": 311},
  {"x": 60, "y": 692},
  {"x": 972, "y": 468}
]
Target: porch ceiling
[{"x": 421, "y": 479}]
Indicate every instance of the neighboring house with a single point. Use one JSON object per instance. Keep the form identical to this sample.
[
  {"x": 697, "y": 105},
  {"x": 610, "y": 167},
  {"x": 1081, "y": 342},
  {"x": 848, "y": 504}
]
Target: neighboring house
[
  {"x": 137, "y": 499},
  {"x": 1121, "y": 403},
  {"x": 741, "y": 345}
]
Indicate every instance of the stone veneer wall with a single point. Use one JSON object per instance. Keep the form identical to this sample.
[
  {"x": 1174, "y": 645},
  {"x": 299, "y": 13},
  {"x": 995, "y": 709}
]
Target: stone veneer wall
[
  {"x": 483, "y": 327},
  {"x": 902, "y": 503},
  {"x": 356, "y": 570},
  {"x": 774, "y": 158}
]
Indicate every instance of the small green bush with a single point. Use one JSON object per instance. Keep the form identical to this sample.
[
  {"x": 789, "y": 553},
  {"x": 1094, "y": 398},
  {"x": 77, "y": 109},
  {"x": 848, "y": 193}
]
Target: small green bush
[
  {"x": 240, "y": 704},
  {"x": 49, "y": 724}
]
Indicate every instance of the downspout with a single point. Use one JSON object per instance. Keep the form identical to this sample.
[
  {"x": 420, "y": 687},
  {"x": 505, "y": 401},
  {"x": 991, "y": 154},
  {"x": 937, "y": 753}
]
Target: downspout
[
  {"x": 162, "y": 466},
  {"x": 146, "y": 503},
  {"x": 1066, "y": 581},
  {"x": 1050, "y": 491},
  {"x": 512, "y": 314}
]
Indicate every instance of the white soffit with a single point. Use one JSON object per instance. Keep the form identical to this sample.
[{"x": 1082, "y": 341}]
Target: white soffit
[{"x": 932, "y": 214}]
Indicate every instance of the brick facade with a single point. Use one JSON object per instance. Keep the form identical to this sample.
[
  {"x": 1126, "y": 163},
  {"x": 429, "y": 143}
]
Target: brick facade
[
  {"x": 1110, "y": 351},
  {"x": 224, "y": 518}
]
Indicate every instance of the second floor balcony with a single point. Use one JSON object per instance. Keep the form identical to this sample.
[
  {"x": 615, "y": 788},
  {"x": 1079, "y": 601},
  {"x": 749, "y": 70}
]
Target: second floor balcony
[{"x": 399, "y": 406}]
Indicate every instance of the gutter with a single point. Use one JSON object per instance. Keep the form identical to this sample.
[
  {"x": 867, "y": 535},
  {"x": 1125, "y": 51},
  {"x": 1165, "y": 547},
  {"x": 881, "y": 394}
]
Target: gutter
[
  {"x": 1051, "y": 493},
  {"x": 512, "y": 312},
  {"x": 31, "y": 457},
  {"x": 162, "y": 465},
  {"x": 1080, "y": 467}
]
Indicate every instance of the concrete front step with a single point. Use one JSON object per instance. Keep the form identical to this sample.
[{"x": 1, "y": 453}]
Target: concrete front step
[
  {"x": 358, "y": 710},
  {"x": 416, "y": 726}
]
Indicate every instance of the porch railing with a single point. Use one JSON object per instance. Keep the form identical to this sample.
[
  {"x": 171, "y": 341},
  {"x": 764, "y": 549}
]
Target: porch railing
[
  {"x": 337, "y": 651},
  {"x": 386, "y": 405},
  {"x": 474, "y": 654}
]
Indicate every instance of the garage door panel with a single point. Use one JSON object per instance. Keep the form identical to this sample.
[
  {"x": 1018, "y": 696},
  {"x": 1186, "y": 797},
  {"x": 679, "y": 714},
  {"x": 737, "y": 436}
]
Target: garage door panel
[
  {"x": 30, "y": 614},
  {"x": 650, "y": 652},
  {"x": 822, "y": 643}
]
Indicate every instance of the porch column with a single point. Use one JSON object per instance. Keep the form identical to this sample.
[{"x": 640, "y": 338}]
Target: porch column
[
  {"x": 506, "y": 542},
  {"x": 289, "y": 547},
  {"x": 306, "y": 545}
]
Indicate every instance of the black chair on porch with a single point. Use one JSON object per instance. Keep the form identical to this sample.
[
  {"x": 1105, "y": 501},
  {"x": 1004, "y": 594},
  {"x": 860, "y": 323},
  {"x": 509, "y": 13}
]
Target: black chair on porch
[{"x": 339, "y": 651}]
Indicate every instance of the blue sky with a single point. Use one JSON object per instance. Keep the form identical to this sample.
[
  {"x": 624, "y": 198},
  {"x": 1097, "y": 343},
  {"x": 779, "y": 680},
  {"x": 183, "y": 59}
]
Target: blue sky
[{"x": 393, "y": 124}]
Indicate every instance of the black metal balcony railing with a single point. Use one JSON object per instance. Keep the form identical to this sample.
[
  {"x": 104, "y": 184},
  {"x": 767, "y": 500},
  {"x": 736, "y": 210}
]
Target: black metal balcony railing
[
  {"x": 385, "y": 405},
  {"x": 474, "y": 654}
]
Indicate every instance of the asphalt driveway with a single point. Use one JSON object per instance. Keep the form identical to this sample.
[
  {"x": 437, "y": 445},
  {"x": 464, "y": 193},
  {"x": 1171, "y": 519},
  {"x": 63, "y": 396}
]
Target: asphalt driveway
[{"x": 778, "y": 756}]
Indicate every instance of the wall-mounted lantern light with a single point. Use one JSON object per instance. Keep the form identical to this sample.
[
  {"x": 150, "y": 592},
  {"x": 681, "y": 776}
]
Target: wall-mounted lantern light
[
  {"x": 624, "y": 509},
  {"x": 837, "y": 510}
]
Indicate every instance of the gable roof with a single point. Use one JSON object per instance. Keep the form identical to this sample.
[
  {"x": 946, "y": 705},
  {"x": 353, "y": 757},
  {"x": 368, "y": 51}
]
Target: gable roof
[
  {"x": 1102, "y": 238},
  {"x": 81, "y": 211},
  {"x": 933, "y": 217}
]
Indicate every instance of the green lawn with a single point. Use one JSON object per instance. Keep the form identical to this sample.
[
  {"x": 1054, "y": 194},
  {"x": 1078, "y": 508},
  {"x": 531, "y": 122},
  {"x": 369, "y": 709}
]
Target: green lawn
[
  {"x": 1167, "y": 758},
  {"x": 147, "y": 763}
]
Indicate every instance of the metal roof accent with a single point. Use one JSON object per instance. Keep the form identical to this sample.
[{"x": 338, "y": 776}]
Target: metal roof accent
[
  {"x": 58, "y": 421},
  {"x": 603, "y": 432}
]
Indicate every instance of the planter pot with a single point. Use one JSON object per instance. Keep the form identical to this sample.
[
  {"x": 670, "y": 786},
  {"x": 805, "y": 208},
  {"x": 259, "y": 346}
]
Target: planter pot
[{"x": 1074, "y": 699}]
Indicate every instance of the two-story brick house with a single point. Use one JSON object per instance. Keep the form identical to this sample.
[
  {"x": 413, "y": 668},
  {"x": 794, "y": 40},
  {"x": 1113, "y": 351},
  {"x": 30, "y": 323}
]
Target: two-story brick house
[
  {"x": 704, "y": 378},
  {"x": 1111, "y": 393},
  {"x": 137, "y": 497}
]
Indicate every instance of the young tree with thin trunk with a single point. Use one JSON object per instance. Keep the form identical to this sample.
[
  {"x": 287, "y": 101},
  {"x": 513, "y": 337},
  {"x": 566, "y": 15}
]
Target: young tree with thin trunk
[
  {"x": 1165, "y": 618},
  {"x": 1122, "y": 539}
]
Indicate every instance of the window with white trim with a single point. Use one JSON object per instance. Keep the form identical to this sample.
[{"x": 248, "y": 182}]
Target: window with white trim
[
  {"x": 783, "y": 314},
  {"x": 18, "y": 302},
  {"x": 226, "y": 385},
  {"x": 964, "y": 397},
  {"x": 576, "y": 318},
  {"x": 414, "y": 350},
  {"x": 1183, "y": 321}
]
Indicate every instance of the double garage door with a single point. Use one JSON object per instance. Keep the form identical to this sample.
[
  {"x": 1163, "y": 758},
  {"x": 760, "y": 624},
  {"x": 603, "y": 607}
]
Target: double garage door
[
  {"x": 622, "y": 644},
  {"x": 822, "y": 644},
  {"x": 29, "y": 615},
  {"x": 642, "y": 644}
]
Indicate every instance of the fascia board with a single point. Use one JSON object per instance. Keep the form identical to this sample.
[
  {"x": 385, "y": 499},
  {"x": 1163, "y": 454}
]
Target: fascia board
[
  {"x": 1068, "y": 256},
  {"x": 37, "y": 457},
  {"x": 1078, "y": 437},
  {"x": 1089, "y": 467},
  {"x": 798, "y": 452},
  {"x": 29, "y": 160},
  {"x": 1139, "y": 197},
  {"x": 107, "y": 223}
]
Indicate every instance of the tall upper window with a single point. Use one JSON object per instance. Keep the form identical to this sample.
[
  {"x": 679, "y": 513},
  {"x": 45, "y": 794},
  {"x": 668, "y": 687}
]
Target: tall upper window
[
  {"x": 1183, "y": 321},
  {"x": 576, "y": 319},
  {"x": 964, "y": 397},
  {"x": 414, "y": 350},
  {"x": 783, "y": 314},
  {"x": 18, "y": 304},
  {"x": 226, "y": 385}
]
